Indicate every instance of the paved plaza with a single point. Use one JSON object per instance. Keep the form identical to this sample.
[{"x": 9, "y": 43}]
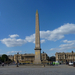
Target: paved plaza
[{"x": 37, "y": 70}]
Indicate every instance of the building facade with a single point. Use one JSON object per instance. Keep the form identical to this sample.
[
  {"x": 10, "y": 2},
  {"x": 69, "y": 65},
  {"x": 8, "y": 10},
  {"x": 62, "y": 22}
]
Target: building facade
[
  {"x": 65, "y": 57},
  {"x": 29, "y": 58}
]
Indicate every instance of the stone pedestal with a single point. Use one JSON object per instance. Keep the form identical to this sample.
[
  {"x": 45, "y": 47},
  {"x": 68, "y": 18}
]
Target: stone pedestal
[{"x": 37, "y": 56}]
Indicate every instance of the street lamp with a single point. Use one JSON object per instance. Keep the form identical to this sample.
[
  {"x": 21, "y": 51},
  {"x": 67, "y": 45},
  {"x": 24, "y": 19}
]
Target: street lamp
[
  {"x": 8, "y": 62},
  {"x": 73, "y": 59},
  {"x": 43, "y": 60},
  {"x": 5, "y": 60},
  {"x": 17, "y": 59},
  {"x": 43, "y": 56},
  {"x": 73, "y": 56}
]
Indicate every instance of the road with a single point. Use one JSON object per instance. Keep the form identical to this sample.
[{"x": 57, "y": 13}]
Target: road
[{"x": 37, "y": 70}]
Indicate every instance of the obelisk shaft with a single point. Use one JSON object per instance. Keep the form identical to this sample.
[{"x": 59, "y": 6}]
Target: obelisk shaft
[
  {"x": 37, "y": 42},
  {"x": 37, "y": 33}
]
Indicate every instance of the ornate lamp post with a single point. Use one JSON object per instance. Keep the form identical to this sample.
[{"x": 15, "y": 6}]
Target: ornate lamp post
[
  {"x": 43, "y": 60},
  {"x": 17, "y": 59},
  {"x": 73, "y": 56},
  {"x": 5, "y": 60},
  {"x": 73, "y": 59},
  {"x": 43, "y": 56},
  {"x": 8, "y": 62}
]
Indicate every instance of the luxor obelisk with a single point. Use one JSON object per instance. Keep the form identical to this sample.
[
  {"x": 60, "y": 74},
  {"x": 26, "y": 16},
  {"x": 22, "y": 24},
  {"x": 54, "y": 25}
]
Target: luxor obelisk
[{"x": 37, "y": 41}]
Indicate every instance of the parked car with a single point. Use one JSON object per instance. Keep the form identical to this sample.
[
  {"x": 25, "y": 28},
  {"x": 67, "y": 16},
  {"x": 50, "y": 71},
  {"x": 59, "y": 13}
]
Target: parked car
[{"x": 70, "y": 63}]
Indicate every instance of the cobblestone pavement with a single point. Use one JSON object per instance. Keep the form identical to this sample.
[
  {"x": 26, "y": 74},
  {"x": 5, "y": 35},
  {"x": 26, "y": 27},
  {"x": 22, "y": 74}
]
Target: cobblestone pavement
[{"x": 37, "y": 70}]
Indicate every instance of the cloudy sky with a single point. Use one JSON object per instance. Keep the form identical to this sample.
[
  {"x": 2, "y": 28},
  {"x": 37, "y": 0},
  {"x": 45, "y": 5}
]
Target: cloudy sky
[{"x": 17, "y": 26}]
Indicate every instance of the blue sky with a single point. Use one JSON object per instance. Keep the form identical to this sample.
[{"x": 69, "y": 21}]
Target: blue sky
[{"x": 17, "y": 26}]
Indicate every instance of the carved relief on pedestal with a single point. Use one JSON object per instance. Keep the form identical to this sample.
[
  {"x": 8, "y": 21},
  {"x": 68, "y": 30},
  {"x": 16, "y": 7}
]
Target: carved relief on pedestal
[{"x": 37, "y": 53}]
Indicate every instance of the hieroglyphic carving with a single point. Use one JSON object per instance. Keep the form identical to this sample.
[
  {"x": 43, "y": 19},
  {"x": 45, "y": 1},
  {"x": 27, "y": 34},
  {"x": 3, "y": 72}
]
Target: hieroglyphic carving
[{"x": 37, "y": 53}]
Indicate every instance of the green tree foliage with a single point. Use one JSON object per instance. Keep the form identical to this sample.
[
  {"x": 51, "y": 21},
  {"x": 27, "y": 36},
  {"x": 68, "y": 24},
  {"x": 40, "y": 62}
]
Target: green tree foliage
[
  {"x": 4, "y": 58},
  {"x": 52, "y": 58},
  {"x": 48, "y": 58},
  {"x": 0, "y": 58}
]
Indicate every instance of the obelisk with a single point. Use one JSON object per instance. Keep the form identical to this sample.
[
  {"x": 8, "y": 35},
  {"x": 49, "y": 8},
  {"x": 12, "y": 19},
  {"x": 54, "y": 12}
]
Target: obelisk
[{"x": 37, "y": 41}]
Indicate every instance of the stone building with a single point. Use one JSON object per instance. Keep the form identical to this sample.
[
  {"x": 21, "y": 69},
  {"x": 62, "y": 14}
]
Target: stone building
[
  {"x": 65, "y": 57},
  {"x": 29, "y": 58}
]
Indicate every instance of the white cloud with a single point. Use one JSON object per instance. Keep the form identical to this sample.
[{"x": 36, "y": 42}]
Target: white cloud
[
  {"x": 45, "y": 34},
  {"x": 12, "y": 42},
  {"x": 42, "y": 41},
  {"x": 30, "y": 38},
  {"x": 13, "y": 36},
  {"x": 64, "y": 47},
  {"x": 59, "y": 32},
  {"x": 66, "y": 41},
  {"x": 51, "y": 54},
  {"x": 13, "y": 52},
  {"x": 54, "y": 35}
]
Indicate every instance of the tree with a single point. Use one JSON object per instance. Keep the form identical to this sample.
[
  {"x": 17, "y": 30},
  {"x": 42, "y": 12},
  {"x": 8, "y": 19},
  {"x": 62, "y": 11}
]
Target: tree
[
  {"x": 0, "y": 58},
  {"x": 4, "y": 58},
  {"x": 52, "y": 58},
  {"x": 48, "y": 58}
]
